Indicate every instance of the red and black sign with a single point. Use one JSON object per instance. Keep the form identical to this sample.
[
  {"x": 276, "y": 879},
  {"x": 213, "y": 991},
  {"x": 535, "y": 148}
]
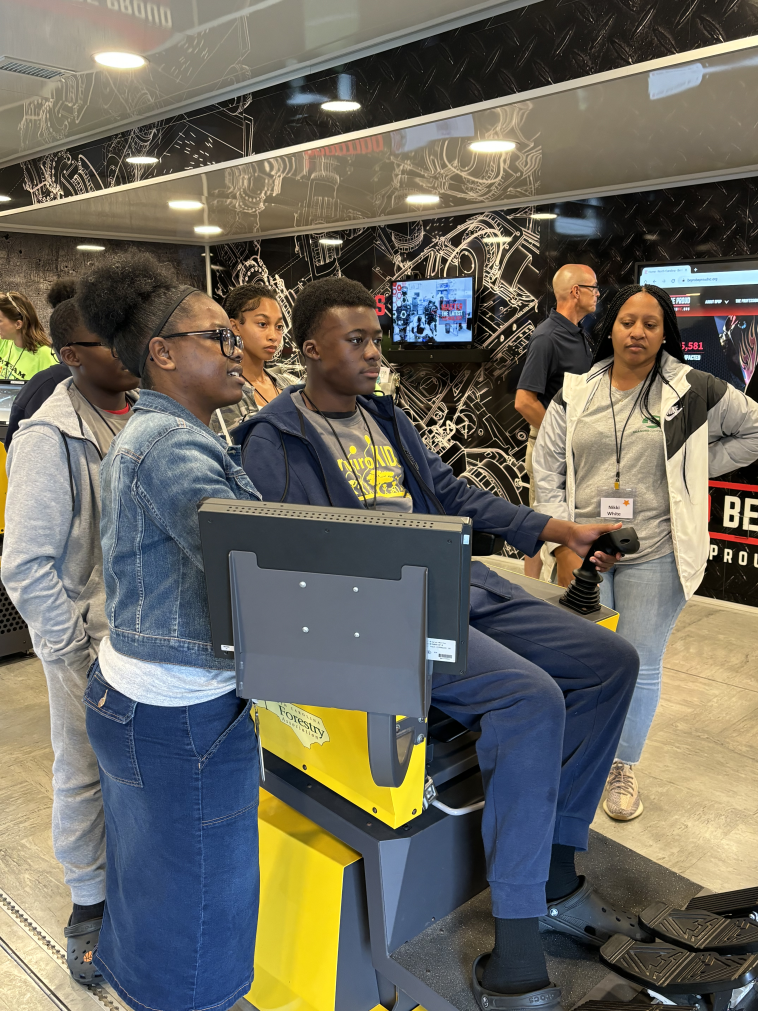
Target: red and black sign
[{"x": 732, "y": 571}]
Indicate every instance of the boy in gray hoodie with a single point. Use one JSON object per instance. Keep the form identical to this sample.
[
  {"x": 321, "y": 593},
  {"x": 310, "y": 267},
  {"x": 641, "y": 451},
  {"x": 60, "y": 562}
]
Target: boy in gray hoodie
[{"x": 52, "y": 569}]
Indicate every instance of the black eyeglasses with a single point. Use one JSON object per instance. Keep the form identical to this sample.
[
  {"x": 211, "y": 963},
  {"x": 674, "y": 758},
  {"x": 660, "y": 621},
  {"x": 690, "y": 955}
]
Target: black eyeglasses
[
  {"x": 227, "y": 339},
  {"x": 592, "y": 287},
  {"x": 82, "y": 344}
]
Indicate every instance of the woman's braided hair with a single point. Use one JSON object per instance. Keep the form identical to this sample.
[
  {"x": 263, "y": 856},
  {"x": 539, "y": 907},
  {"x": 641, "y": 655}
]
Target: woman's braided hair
[{"x": 672, "y": 341}]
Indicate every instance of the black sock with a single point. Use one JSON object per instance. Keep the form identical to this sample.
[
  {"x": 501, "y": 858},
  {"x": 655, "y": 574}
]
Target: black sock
[
  {"x": 563, "y": 879},
  {"x": 83, "y": 913},
  {"x": 517, "y": 962}
]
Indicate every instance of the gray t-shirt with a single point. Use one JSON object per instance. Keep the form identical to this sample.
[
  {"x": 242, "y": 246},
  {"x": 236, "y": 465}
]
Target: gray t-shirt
[
  {"x": 365, "y": 457},
  {"x": 104, "y": 425},
  {"x": 643, "y": 466}
]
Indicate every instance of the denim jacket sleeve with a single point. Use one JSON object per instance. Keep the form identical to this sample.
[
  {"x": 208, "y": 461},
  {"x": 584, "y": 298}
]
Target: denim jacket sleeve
[{"x": 171, "y": 503}]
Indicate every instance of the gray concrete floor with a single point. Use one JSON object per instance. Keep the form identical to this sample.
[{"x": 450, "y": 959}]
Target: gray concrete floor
[
  {"x": 699, "y": 771},
  {"x": 698, "y": 775}
]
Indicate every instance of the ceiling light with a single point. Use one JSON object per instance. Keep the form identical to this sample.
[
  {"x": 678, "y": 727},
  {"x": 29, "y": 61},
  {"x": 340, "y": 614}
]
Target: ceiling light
[
  {"x": 339, "y": 105},
  {"x": 207, "y": 229},
  {"x": 185, "y": 205},
  {"x": 491, "y": 146},
  {"x": 422, "y": 198},
  {"x": 88, "y": 248},
  {"x": 497, "y": 239},
  {"x": 120, "y": 61},
  {"x": 331, "y": 242},
  {"x": 544, "y": 216},
  {"x": 4, "y": 199},
  {"x": 142, "y": 159}
]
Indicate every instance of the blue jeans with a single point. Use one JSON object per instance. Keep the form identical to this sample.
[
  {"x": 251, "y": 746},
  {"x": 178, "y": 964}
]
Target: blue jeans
[
  {"x": 649, "y": 599},
  {"x": 180, "y": 792},
  {"x": 549, "y": 691}
]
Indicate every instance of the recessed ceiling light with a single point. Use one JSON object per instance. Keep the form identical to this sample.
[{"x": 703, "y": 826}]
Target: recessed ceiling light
[
  {"x": 4, "y": 199},
  {"x": 340, "y": 105},
  {"x": 331, "y": 242},
  {"x": 207, "y": 229},
  {"x": 492, "y": 146},
  {"x": 497, "y": 240},
  {"x": 544, "y": 216},
  {"x": 185, "y": 205},
  {"x": 120, "y": 61},
  {"x": 142, "y": 159},
  {"x": 88, "y": 248},
  {"x": 422, "y": 198}
]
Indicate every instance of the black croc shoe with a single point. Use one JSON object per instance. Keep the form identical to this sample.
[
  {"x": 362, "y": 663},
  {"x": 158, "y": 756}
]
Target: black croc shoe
[
  {"x": 590, "y": 918},
  {"x": 82, "y": 940},
  {"x": 489, "y": 1000}
]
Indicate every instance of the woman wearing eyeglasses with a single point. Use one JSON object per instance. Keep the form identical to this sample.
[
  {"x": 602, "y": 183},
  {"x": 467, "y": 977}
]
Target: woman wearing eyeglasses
[
  {"x": 25, "y": 348},
  {"x": 254, "y": 313},
  {"x": 176, "y": 748}
]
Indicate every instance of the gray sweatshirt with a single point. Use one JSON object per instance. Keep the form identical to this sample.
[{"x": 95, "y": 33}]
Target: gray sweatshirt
[{"x": 52, "y": 564}]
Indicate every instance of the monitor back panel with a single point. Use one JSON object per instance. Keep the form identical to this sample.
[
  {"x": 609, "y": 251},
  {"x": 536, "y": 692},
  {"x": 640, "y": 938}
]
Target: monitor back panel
[{"x": 344, "y": 542}]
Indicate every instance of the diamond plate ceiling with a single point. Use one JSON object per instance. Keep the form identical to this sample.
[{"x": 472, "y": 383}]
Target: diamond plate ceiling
[
  {"x": 196, "y": 50},
  {"x": 635, "y": 129}
]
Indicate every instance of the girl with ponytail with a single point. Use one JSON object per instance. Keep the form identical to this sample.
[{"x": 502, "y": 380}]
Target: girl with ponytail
[
  {"x": 636, "y": 439},
  {"x": 25, "y": 348}
]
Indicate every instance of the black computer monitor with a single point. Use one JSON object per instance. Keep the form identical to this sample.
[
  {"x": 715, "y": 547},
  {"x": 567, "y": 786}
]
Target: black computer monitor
[
  {"x": 716, "y": 303},
  {"x": 433, "y": 312},
  {"x": 348, "y": 542}
]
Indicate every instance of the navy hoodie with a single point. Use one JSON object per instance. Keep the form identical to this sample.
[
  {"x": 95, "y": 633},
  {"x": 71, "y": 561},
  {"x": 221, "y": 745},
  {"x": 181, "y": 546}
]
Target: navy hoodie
[{"x": 288, "y": 461}]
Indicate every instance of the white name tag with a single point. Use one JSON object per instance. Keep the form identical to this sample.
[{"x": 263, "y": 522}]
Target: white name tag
[{"x": 616, "y": 508}]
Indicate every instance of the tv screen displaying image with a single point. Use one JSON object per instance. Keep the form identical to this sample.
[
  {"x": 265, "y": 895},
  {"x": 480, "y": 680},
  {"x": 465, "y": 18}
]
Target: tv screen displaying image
[
  {"x": 716, "y": 303},
  {"x": 434, "y": 311}
]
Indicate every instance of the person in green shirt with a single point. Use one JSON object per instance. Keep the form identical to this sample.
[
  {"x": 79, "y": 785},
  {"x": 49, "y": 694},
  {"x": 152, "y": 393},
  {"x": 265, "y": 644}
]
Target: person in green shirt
[{"x": 24, "y": 346}]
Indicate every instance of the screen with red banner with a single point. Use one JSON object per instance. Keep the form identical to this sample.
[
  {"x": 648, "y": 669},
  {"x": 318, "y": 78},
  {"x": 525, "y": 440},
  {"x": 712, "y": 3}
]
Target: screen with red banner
[
  {"x": 433, "y": 311},
  {"x": 717, "y": 306}
]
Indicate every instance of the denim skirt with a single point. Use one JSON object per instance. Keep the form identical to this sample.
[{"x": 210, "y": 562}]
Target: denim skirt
[{"x": 180, "y": 791}]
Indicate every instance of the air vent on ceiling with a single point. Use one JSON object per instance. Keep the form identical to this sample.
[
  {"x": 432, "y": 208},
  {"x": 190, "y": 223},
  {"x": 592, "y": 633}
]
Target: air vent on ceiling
[{"x": 31, "y": 69}]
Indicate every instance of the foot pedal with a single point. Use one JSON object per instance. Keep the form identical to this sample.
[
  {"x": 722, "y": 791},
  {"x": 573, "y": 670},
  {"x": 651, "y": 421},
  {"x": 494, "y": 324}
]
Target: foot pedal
[
  {"x": 742, "y": 902},
  {"x": 701, "y": 930},
  {"x": 670, "y": 970}
]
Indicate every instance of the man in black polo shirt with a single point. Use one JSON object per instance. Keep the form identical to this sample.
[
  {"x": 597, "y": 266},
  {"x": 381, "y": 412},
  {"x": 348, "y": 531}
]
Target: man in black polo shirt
[{"x": 558, "y": 345}]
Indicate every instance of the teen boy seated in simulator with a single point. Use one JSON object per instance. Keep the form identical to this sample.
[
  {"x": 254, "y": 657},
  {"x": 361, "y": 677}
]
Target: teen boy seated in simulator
[{"x": 548, "y": 690}]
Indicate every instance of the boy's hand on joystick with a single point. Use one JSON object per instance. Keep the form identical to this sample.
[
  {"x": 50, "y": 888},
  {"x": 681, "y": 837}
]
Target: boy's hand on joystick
[{"x": 579, "y": 538}]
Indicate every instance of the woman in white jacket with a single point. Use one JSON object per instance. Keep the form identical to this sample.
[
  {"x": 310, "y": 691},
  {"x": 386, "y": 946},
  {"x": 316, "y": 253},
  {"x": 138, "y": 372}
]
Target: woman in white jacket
[{"x": 636, "y": 439}]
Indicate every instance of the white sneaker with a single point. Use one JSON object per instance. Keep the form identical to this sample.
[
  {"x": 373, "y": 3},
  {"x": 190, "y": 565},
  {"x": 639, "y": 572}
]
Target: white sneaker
[{"x": 622, "y": 802}]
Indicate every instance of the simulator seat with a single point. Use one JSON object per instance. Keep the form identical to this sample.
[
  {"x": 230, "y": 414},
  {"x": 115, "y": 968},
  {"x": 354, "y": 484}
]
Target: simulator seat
[{"x": 370, "y": 818}]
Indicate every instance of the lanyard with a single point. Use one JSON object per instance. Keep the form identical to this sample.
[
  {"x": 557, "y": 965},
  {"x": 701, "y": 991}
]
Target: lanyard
[
  {"x": 358, "y": 485},
  {"x": 11, "y": 370},
  {"x": 620, "y": 442}
]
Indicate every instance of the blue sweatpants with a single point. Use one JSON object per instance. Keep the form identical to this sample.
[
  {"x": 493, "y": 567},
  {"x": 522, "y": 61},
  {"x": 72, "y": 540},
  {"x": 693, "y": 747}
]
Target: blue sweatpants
[{"x": 549, "y": 691}]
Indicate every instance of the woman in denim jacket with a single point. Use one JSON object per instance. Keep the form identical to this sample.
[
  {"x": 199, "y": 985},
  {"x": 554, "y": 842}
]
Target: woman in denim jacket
[{"x": 176, "y": 748}]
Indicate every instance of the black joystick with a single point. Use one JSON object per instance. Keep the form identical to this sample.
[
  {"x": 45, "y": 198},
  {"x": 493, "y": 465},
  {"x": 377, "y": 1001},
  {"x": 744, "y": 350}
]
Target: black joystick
[{"x": 583, "y": 594}]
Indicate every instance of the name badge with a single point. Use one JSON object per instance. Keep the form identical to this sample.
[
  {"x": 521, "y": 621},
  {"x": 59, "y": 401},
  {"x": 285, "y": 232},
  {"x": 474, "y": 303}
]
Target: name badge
[{"x": 616, "y": 504}]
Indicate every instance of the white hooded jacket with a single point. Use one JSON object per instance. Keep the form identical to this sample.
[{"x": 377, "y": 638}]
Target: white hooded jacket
[{"x": 708, "y": 427}]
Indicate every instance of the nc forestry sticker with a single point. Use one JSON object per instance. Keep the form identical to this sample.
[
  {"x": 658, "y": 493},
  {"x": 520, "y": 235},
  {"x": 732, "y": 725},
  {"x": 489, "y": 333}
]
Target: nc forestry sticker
[{"x": 310, "y": 729}]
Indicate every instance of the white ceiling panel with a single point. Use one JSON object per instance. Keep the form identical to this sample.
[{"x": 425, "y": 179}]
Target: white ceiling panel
[
  {"x": 198, "y": 51},
  {"x": 670, "y": 122}
]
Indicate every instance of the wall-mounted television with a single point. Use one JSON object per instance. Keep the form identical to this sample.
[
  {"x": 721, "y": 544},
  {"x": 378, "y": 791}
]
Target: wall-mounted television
[
  {"x": 433, "y": 312},
  {"x": 716, "y": 302}
]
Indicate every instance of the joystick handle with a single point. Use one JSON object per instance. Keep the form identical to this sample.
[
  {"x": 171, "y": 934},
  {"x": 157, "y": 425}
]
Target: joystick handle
[{"x": 583, "y": 594}]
